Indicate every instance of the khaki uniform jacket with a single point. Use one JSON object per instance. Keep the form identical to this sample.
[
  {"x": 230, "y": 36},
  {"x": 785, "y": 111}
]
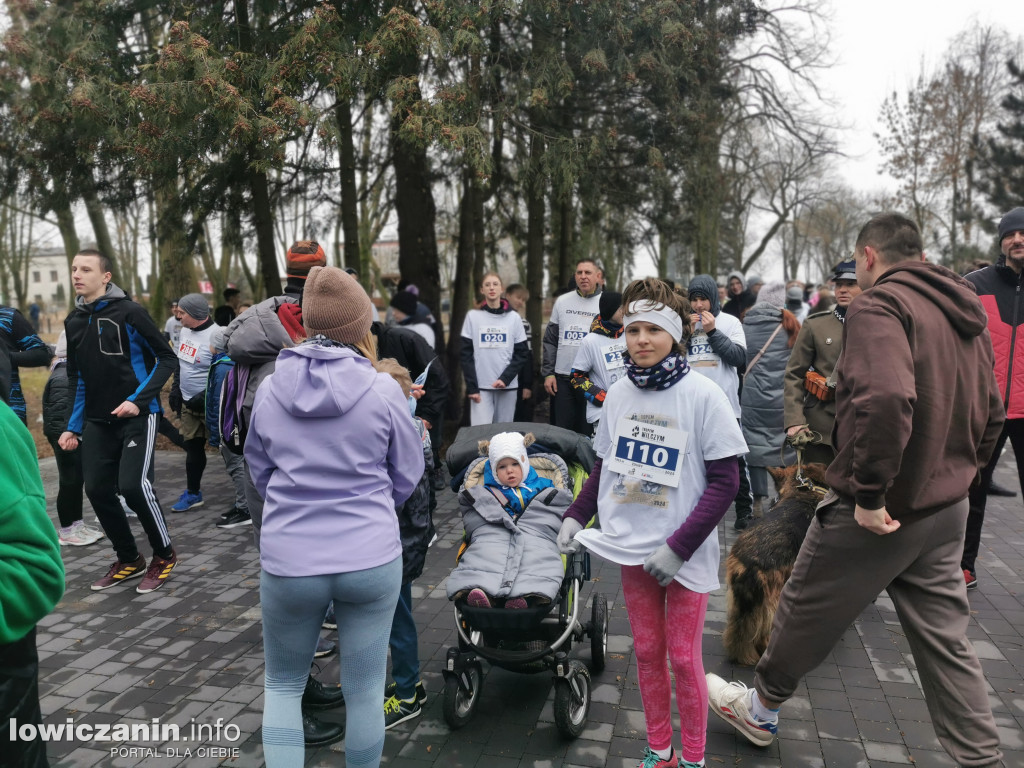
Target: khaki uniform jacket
[{"x": 817, "y": 346}]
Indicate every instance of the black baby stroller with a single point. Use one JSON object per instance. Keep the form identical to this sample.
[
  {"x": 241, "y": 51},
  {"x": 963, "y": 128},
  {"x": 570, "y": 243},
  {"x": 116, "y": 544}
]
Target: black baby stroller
[{"x": 538, "y": 638}]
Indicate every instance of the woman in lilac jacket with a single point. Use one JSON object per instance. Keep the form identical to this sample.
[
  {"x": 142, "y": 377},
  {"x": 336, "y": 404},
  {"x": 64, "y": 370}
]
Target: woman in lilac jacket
[{"x": 332, "y": 450}]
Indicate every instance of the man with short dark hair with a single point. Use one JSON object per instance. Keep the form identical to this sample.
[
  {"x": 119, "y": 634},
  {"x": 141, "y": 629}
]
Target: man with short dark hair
[
  {"x": 226, "y": 312},
  {"x": 23, "y": 348},
  {"x": 571, "y": 318},
  {"x": 999, "y": 287},
  {"x": 117, "y": 364},
  {"x": 917, "y": 414}
]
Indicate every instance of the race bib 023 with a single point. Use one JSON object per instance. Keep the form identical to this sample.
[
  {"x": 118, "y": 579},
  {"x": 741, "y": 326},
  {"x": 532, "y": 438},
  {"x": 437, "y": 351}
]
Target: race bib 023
[
  {"x": 613, "y": 356},
  {"x": 647, "y": 452}
]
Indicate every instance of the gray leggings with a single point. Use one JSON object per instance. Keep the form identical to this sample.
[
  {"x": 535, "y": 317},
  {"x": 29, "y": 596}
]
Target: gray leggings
[{"x": 293, "y": 609}]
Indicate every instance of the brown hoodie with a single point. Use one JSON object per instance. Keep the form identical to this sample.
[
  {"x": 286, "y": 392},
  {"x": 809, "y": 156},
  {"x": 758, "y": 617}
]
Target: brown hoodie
[{"x": 917, "y": 406}]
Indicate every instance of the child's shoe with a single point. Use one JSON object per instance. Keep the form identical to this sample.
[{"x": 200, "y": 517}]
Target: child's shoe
[
  {"x": 516, "y": 603},
  {"x": 478, "y": 599},
  {"x": 651, "y": 760}
]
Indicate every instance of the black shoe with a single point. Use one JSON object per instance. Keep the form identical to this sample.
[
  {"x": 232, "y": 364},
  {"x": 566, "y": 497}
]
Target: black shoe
[
  {"x": 440, "y": 483},
  {"x": 318, "y": 696},
  {"x": 234, "y": 519},
  {"x": 317, "y": 733},
  {"x": 742, "y": 522},
  {"x": 995, "y": 489},
  {"x": 391, "y": 690}
]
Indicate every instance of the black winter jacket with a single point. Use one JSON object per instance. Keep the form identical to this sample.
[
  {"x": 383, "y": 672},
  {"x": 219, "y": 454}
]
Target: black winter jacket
[
  {"x": 412, "y": 351},
  {"x": 57, "y": 402}
]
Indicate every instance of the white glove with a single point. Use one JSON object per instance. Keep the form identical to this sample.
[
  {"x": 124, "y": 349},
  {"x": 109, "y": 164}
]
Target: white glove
[
  {"x": 566, "y": 541},
  {"x": 663, "y": 564}
]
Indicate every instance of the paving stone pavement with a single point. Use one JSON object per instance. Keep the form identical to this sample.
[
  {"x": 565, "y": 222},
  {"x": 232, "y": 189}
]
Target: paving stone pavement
[{"x": 191, "y": 653}]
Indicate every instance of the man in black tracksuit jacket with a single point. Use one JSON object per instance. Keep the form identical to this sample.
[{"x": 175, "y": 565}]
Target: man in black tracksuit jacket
[{"x": 117, "y": 363}]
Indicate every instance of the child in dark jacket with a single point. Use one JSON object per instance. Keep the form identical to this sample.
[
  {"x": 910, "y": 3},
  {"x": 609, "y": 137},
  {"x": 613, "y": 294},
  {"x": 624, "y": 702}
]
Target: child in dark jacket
[
  {"x": 56, "y": 408},
  {"x": 406, "y": 696}
]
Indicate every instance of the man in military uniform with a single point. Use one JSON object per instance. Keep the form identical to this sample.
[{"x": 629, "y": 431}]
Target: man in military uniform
[{"x": 817, "y": 349}]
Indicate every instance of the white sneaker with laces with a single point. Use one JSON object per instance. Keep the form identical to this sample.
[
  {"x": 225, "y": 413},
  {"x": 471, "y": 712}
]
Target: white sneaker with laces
[
  {"x": 730, "y": 701},
  {"x": 78, "y": 534}
]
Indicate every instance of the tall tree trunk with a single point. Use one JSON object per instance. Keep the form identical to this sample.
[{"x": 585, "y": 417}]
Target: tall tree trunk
[
  {"x": 176, "y": 265},
  {"x": 462, "y": 291},
  {"x": 98, "y": 219},
  {"x": 349, "y": 201},
  {"x": 414, "y": 205},
  {"x": 263, "y": 221},
  {"x": 535, "y": 245}
]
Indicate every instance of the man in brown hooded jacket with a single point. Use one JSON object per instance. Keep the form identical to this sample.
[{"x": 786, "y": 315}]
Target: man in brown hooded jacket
[{"x": 918, "y": 413}]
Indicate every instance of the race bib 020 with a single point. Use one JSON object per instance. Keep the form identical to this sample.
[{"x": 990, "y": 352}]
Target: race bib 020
[
  {"x": 647, "y": 452},
  {"x": 493, "y": 338}
]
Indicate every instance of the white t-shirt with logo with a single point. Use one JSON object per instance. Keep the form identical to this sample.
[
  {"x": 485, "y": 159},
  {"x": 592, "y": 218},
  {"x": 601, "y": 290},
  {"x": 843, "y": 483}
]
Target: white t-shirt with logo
[
  {"x": 573, "y": 315},
  {"x": 493, "y": 336},
  {"x": 653, "y": 445},
  {"x": 601, "y": 357},
  {"x": 194, "y": 358},
  {"x": 705, "y": 361}
]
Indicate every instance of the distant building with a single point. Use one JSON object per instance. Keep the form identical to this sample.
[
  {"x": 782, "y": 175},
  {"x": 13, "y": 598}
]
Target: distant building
[{"x": 49, "y": 281}]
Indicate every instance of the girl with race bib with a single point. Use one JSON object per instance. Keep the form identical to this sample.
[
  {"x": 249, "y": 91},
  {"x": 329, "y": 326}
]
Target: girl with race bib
[
  {"x": 494, "y": 351},
  {"x": 598, "y": 362},
  {"x": 667, "y": 472}
]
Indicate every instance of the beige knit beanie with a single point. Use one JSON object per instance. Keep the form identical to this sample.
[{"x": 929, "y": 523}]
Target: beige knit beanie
[{"x": 336, "y": 306}]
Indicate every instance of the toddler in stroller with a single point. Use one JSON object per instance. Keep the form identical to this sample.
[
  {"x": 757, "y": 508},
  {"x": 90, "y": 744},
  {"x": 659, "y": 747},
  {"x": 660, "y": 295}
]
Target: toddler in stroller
[{"x": 510, "y": 556}]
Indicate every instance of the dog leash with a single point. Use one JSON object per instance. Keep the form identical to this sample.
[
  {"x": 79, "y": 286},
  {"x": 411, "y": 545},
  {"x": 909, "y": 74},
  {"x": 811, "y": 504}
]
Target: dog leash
[{"x": 799, "y": 441}]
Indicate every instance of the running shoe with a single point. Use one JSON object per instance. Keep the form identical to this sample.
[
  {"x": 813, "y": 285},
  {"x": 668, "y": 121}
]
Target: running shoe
[
  {"x": 731, "y": 702},
  {"x": 159, "y": 569},
  {"x": 187, "y": 501},
  {"x": 121, "y": 572}
]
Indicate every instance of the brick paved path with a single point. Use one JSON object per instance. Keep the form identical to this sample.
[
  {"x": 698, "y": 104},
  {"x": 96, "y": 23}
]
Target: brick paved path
[{"x": 192, "y": 650}]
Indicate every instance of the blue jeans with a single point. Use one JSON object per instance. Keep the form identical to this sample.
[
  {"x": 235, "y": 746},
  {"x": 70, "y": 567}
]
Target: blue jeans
[
  {"x": 293, "y": 609},
  {"x": 405, "y": 650}
]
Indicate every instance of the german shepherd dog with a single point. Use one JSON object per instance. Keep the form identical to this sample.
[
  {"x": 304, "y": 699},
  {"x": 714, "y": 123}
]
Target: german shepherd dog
[{"x": 761, "y": 561}]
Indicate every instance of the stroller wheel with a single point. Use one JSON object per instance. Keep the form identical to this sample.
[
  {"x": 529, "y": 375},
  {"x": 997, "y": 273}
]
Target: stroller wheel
[
  {"x": 461, "y": 695},
  {"x": 572, "y": 700},
  {"x": 598, "y": 633}
]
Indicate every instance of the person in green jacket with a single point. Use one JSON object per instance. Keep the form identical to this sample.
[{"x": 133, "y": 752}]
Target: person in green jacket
[{"x": 31, "y": 584}]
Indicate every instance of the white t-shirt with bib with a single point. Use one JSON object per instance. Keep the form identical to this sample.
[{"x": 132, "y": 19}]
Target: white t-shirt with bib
[
  {"x": 647, "y": 441},
  {"x": 601, "y": 357},
  {"x": 493, "y": 336},
  {"x": 573, "y": 314},
  {"x": 194, "y": 358},
  {"x": 705, "y": 361}
]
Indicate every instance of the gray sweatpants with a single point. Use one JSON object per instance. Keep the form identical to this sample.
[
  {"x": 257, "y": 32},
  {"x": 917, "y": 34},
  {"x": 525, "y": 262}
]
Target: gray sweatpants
[{"x": 841, "y": 568}]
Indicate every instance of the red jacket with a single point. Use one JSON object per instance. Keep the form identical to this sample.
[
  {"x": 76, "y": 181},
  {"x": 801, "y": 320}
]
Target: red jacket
[{"x": 999, "y": 289}]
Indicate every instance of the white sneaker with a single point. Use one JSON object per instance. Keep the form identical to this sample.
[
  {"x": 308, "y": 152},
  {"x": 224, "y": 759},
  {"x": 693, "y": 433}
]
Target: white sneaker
[
  {"x": 78, "y": 534},
  {"x": 730, "y": 701}
]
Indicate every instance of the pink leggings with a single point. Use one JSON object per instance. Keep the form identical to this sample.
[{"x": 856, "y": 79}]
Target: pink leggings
[{"x": 678, "y": 639}]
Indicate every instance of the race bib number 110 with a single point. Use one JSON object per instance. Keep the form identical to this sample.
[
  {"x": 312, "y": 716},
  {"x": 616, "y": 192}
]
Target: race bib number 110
[{"x": 647, "y": 452}]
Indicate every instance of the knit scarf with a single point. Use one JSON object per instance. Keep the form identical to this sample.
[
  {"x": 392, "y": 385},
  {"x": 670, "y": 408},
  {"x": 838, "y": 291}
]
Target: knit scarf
[
  {"x": 605, "y": 328},
  {"x": 659, "y": 376}
]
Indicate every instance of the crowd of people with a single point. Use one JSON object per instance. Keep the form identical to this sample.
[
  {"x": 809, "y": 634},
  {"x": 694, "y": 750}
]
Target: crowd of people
[{"x": 901, "y": 380}]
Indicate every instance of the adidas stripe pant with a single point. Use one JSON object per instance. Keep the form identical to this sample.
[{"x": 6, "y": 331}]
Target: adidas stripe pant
[{"x": 118, "y": 456}]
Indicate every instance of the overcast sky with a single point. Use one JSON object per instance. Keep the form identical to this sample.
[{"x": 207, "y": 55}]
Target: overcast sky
[{"x": 879, "y": 46}]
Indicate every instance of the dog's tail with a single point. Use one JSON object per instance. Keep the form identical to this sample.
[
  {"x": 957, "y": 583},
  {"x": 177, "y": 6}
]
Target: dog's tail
[{"x": 752, "y": 599}]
